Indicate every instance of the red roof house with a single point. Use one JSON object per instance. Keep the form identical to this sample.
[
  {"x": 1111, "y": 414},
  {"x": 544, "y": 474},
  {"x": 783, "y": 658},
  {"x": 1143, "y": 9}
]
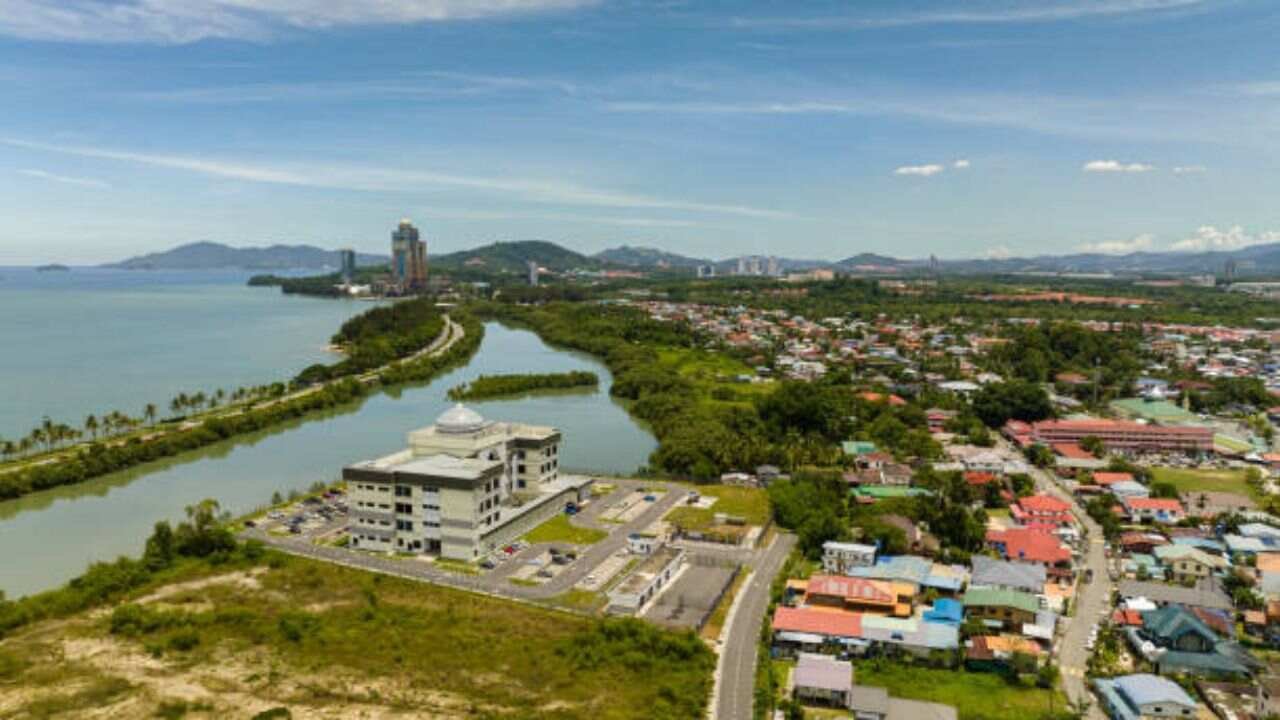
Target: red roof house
[
  {"x": 1029, "y": 546},
  {"x": 818, "y": 622}
]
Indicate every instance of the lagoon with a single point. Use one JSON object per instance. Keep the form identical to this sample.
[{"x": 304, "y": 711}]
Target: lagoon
[{"x": 49, "y": 537}]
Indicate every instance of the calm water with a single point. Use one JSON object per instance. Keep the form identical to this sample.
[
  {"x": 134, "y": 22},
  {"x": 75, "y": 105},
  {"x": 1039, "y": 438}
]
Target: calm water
[
  {"x": 46, "y": 539},
  {"x": 96, "y": 340}
]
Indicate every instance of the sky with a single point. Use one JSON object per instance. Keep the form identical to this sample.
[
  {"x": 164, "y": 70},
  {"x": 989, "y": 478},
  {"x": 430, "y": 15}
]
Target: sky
[{"x": 983, "y": 128}]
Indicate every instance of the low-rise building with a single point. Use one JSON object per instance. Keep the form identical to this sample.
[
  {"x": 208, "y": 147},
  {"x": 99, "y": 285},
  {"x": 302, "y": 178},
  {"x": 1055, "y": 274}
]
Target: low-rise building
[
  {"x": 1144, "y": 697},
  {"x": 839, "y": 557},
  {"x": 1185, "y": 563},
  {"x": 823, "y": 680},
  {"x": 646, "y": 581},
  {"x": 1008, "y": 609},
  {"x": 1148, "y": 509}
]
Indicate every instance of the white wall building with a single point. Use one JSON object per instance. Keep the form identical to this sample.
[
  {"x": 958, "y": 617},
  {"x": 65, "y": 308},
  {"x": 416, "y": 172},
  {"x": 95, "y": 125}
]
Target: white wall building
[
  {"x": 840, "y": 557},
  {"x": 463, "y": 486}
]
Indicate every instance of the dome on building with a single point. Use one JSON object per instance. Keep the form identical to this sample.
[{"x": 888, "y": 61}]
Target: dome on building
[{"x": 460, "y": 419}]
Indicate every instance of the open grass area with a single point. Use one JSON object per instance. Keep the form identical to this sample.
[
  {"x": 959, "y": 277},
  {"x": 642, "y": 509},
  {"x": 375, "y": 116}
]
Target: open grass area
[
  {"x": 712, "y": 368},
  {"x": 752, "y": 504},
  {"x": 976, "y": 696},
  {"x": 559, "y": 529},
  {"x": 1188, "y": 480},
  {"x": 327, "y": 640}
]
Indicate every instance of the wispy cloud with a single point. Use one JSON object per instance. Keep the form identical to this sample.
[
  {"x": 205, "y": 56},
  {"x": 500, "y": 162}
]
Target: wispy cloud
[
  {"x": 1209, "y": 237},
  {"x": 432, "y": 84},
  {"x": 1043, "y": 114},
  {"x": 1004, "y": 13},
  {"x": 186, "y": 21},
  {"x": 998, "y": 252},
  {"x": 921, "y": 170},
  {"x": 960, "y": 164},
  {"x": 1115, "y": 166},
  {"x": 66, "y": 179},
  {"x": 1189, "y": 169},
  {"x": 1146, "y": 241},
  {"x": 394, "y": 180}
]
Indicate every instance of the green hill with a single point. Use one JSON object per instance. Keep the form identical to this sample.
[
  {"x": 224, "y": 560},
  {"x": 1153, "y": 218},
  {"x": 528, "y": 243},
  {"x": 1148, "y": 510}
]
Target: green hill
[{"x": 514, "y": 257}]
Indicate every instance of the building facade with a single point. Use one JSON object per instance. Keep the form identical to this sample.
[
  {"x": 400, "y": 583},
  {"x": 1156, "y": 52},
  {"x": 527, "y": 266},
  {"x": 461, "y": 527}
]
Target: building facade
[
  {"x": 1115, "y": 435},
  {"x": 464, "y": 486},
  {"x": 408, "y": 257},
  {"x": 347, "y": 264}
]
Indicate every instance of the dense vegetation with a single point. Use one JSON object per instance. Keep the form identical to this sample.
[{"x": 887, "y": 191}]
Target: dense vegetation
[
  {"x": 101, "y": 458},
  {"x": 379, "y": 336},
  {"x": 492, "y": 386}
]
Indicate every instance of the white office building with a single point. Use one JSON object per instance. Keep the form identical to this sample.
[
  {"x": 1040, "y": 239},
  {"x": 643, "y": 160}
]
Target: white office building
[{"x": 462, "y": 488}]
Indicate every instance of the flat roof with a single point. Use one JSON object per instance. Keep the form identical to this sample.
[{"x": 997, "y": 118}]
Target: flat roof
[{"x": 447, "y": 466}]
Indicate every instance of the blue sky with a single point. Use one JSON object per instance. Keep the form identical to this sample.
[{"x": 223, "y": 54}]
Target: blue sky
[{"x": 804, "y": 129}]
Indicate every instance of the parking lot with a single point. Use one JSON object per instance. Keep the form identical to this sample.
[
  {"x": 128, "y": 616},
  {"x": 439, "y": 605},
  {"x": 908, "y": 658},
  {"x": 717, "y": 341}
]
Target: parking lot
[
  {"x": 692, "y": 597},
  {"x": 320, "y": 518}
]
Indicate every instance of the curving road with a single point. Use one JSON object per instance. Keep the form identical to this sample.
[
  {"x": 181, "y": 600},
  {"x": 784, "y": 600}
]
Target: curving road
[{"x": 736, "y": 670}]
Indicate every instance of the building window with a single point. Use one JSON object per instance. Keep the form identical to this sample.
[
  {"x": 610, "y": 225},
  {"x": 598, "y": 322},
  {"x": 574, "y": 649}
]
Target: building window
[
  {"x": 403, "y": 491},
  {"x": 404, "y": 508}
]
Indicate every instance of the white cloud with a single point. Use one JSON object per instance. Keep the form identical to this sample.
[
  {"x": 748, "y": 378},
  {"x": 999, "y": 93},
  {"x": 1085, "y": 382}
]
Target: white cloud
[
  {"x": 921, "y": 170},
  {"x": 186, "y": 21},
  {"x": 1024, "y": 12},
  {"x": 960, "y": 164},
  {"x": 1137, "y": 243},
  {"x": 1115, "y": 166},
  {"x": 1208, "y": 237},
  {"x": 425, "y": 85},
  {"x": 1189, "y": 169},
  {"x": 393, "y": 180},
  {"x": 999, "y": 252},
  {"x": 65, "y": 179}
]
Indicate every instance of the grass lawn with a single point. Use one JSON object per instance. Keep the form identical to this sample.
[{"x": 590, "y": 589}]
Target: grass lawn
[
  {"x": 559, "y": 529},
  {"x": 325, "y": 639},
  {"x": 749, "y": 503},
  {"x": 976, "y": 696},
  {"x": 712, "y": 369},
  {"x": 1193, "y": 480}
]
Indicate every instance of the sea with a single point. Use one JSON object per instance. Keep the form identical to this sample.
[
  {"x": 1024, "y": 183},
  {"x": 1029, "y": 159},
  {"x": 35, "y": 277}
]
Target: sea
[{"x": 94, "y": 340}]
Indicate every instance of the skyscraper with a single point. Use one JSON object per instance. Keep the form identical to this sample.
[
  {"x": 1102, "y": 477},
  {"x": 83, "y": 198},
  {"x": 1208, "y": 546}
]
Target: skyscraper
[
  {"x": 533, "y": 273},
  {"x": 347, "y": 261},
  {"x": 408, "y": 257}
]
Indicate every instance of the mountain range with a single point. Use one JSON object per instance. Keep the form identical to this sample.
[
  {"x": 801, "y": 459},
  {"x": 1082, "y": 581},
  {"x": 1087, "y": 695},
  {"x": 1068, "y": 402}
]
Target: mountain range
[
  {"x": 215, "y": 256},
  {"x": 513, "y": 257}
]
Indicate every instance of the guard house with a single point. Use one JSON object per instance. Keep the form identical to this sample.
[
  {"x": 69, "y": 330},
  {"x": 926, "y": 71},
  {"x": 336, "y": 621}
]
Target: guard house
[{"x": 463, "y": 487}]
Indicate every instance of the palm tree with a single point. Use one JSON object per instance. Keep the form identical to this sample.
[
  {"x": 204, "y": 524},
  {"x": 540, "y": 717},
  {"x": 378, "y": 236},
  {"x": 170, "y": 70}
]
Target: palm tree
[
  {"x": 91, "y": 426},
  {"x": 150, "y": 413},
  {"x": 46, "y": 428}
]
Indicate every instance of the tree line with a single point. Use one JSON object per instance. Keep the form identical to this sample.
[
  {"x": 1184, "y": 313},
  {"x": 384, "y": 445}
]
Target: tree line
[{"x": 491, "y": 386}]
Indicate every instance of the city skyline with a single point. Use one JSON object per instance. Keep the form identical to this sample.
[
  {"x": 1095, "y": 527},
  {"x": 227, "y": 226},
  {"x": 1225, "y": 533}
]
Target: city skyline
[{"x": 757, "y": 129}]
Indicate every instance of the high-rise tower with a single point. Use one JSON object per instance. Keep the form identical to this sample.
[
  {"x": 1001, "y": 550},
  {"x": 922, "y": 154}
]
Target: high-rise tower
[{"x": 408, "y": 257}]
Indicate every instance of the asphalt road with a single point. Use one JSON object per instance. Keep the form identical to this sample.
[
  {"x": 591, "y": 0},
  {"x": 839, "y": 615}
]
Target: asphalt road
[
  {"x": 736, "y": 671},
  {"x": 1092, "y": 602}
]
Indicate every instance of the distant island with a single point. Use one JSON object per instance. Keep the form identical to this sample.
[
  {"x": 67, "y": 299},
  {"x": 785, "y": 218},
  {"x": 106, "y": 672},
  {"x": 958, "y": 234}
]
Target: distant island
[
  {"x": 54, "y": 267},
  {"x": 215, "y": 256}
]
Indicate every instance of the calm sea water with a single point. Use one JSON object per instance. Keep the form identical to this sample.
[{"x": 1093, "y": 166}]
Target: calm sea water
[
  {"x": 96, "y": 340},
  {"x": 47, "y": 538}
]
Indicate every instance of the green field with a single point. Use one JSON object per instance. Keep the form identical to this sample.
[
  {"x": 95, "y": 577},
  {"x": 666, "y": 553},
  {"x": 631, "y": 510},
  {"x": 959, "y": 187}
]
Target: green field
[
  {"x": 976, "y": 696},
  {"x": 712, "y": 368},
  {"x": 327, "y": 640},
  {"x": 559, "y": 529},
  {"x": 1190, "y": 481},
  {"x": 749, "y": 503}
]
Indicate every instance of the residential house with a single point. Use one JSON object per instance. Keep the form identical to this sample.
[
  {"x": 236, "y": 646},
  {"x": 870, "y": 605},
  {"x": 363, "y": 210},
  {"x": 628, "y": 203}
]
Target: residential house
[
  {"x": 996, "y": 652},
  {"x": 1189, "y": 564},
  {"x": 1144, "y": 697},
  {"x": 822, "y": 679},
  {"x": 838, "y": 557},
  {"x": 1008, "y": 609},
  {"x": 1042, "y": 509},
  {"x": 1035, "y": 546},
  {"x": 1005, "y": 575},
  {"x": 1146, "y": 509},
  {"x": 1175, "y": 640},
  {"x": 1206, "y": 594},
  {"x": 860, "y": 595},
  {"x": 874, "y": 703}
]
